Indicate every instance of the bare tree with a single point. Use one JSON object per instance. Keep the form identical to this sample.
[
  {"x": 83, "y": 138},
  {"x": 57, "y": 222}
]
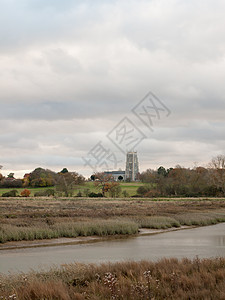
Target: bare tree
[
  {"x": 217, "y": 162},
  {"x": 217, "y": 172}
]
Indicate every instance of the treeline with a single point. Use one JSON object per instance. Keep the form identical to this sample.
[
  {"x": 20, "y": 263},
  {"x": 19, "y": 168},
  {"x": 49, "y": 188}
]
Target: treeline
[
  {"x": 63, "y": 181},
  {"x": 180, "y": 181}
]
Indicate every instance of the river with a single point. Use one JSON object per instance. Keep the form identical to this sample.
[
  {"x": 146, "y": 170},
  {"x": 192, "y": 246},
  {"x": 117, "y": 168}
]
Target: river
[{"x": 203, "y": 242}]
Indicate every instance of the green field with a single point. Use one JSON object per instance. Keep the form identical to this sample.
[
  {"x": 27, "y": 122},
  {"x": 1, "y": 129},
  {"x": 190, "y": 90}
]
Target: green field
[
  {"x": 32, "y": 190},
  {"x": 88, "y": 187}
]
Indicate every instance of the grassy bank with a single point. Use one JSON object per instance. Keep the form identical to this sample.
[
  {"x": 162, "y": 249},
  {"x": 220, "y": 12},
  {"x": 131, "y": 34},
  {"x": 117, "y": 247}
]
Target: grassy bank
[
  {"x": 166, "y": 279},
  {"x": 107, "y": 227},
  {"x": 67, "y": 229},
  {"x": 29, "y": 219}
]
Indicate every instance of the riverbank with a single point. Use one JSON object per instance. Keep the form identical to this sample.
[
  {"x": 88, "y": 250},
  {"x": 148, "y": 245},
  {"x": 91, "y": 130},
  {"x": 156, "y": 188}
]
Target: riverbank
[
  {"x": 44, "y": 219},
  {"x": 80, "y": 240},
  {"x": 165, "y": 279}
]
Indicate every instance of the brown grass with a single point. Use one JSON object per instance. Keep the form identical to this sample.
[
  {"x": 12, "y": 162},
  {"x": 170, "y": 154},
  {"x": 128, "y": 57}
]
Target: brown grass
[
  {"x": 27, "y": 219},
  {"x": 165, "y": 279},
  {"x": 32, "y": 209}
]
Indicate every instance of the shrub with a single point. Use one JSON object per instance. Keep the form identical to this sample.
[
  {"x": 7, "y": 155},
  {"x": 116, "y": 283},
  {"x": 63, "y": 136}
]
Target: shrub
[
  {"x": 48, "y": 193},
  {"x": 125, "y": 194},
  {"x": 95, "y": 195},
  {"x": 11, "y": 183},
  {"x": 12, "y": 193},
  {"x": 25, "y": 193},
  {"x": 152, "y": 193},
  {"x": 142, "y": 190}
]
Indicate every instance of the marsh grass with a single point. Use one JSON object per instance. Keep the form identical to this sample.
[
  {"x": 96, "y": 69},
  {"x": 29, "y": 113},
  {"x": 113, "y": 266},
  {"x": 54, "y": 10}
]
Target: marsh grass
[
  {"x": 157, "y": 222},
  {"x": 68, "y": 229},
  {"x": 165, "y": 279},
  {"x": 103, "y": 227},
  {"x": 200, "y": 219},
  {"x": 33, "y": 219}
]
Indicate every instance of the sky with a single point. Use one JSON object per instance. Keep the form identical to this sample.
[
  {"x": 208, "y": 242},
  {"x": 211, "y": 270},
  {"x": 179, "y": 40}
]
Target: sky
[{"x": 83, "y": 82}]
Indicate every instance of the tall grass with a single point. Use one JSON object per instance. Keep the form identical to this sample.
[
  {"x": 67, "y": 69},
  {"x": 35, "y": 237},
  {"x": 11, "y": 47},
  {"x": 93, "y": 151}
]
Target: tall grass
[
  {"x": 69, "y": 229},
  {"x": 188, "y": 219},
  {"x": 99, "y": 227},
  {"x": 166, "y": 279},
  {"x": 157, "y": 222},
  {"x": 200, "y": 219}
]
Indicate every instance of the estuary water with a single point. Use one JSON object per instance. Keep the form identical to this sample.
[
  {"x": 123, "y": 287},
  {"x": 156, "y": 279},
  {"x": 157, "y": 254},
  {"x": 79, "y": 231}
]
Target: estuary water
[{"x": 204, "y": 242}]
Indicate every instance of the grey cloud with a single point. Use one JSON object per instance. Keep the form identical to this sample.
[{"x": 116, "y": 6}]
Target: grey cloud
[{"x": 71, "y": 70}]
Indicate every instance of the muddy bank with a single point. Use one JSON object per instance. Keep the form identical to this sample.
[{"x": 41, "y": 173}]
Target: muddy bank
[{"x": 81, "y": 240}]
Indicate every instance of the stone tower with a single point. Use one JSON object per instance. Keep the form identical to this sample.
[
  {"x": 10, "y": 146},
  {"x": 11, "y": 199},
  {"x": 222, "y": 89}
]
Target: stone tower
[{"x": 132, "y": 168}]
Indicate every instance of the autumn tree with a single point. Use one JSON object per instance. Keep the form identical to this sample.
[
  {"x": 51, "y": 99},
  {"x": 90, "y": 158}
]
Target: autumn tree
[
  {"x": 42, "y": 178},
  {"x": 114, "y": 189},
  {"x": 25, "y": 193},
  {"x": 102, "y": 182}
]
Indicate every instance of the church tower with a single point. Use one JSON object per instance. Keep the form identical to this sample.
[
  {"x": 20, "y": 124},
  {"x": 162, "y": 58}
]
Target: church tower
[{"x": 132, "y": 168}]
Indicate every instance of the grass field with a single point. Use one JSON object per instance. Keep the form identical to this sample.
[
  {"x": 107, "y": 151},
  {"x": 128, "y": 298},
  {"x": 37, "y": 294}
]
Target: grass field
[
  {"x": 166, "y": 279},
  {"x": 32, "y": 190},
  {"x": 86, "y": 188}
]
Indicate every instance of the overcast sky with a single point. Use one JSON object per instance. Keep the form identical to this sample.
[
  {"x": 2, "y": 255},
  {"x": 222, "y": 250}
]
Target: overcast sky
[{"x": 71, "y": 71}]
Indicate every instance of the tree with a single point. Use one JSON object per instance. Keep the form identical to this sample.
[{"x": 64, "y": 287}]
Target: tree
[
  {"x": 11, "y": 175},
  {"x": 65, "y": 184},
  {"x": 78, "y": 178},
  {"x": 162, "y": 171},
  {"x": 92, "y": 177},
  {"x": 11, "y": 183},
  {"x": 42, "y": 178},
  {"x": 102, "y": 182},
  {"x": 125, "y": 194},
  {"x": 1, "y": 176},
  {"x": 64, "y": 170},
  {"x": 142, "y": 190},
  {"x": 217, "y": 162},
  {"x": 12, "y": 193},
  {"x": 25, "y": 193},
  {"x": 217, "y": 172},
  {"x": 148, "y": 176},
  {"x": 114, "y": 189}
]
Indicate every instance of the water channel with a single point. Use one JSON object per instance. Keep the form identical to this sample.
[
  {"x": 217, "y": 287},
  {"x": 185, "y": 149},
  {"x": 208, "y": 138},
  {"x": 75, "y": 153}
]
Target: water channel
[{"x": 203, "y": 242}]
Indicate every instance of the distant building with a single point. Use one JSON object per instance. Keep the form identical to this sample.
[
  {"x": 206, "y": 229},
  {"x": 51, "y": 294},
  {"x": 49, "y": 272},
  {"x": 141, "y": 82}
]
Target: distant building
[
  {"x": 132, "y": 167},
  {"x": 131, "y": 172},
  {"x": 116, "y": 175}
]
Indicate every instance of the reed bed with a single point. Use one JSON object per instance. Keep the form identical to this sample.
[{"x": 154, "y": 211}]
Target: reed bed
[
  {"x": 103, "y": 227},
  {"x": 157, "y": 222},
  {"x": 36, "y": 219},
  {"x": 200, "y": 219},
  {"x": 69, "y": 229},
  {"x": 166, "y": 279}
]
